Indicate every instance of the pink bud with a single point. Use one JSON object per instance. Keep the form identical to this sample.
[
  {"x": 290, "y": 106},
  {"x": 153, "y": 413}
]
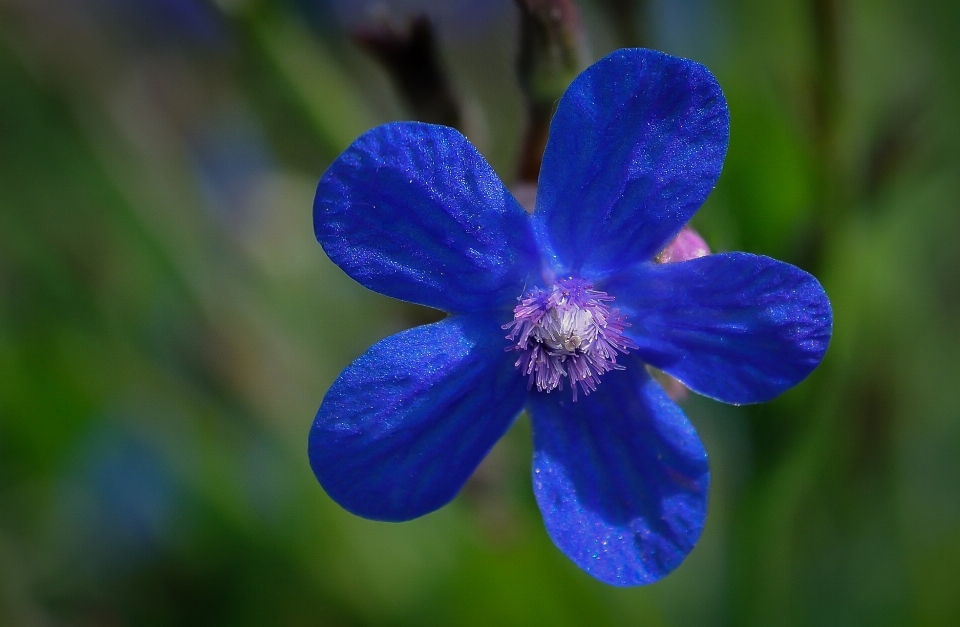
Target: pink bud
[{"x": 687, "y": 245}]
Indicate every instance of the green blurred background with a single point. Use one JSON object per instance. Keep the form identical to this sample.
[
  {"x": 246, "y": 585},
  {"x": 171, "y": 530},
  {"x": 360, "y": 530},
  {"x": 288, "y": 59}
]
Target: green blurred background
[{"x": 169, "y": 325}]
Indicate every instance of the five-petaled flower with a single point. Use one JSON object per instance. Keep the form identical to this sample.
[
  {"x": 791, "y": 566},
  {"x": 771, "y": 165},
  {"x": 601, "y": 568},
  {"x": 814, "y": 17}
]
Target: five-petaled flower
[{"x": 570, "y": 294}]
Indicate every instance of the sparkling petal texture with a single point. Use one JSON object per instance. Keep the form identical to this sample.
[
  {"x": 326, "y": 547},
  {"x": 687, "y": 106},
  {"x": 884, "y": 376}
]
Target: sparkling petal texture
[
  {"x": 635, "y": 146},
  {"x": 620, "y": 476},
  {"x": 405, "y": 425},
  {"x": 413, "y": 211},
  {"x": 736, "y": 327}
]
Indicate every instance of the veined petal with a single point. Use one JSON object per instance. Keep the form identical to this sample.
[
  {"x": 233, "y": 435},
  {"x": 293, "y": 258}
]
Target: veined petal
[
  {"x": 620, "y": 476},
  {"x": 405, "y": 425},
  {"x": 736, "y": 327},
  {"x": 635, "y": 147},
  {"x": 413, "y": 211}
]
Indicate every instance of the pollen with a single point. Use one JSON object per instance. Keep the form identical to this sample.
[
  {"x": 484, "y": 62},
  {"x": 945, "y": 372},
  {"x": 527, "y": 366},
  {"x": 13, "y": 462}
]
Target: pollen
[{"x": 567, "y": 331}]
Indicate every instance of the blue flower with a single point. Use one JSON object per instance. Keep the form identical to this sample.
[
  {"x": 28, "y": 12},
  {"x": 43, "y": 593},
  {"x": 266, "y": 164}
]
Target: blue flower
[{"x": 569, "y": 295}]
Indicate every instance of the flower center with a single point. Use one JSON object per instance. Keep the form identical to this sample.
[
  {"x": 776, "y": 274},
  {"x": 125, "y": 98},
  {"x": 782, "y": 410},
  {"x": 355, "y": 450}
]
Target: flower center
[{"x": 567, "y": 331}]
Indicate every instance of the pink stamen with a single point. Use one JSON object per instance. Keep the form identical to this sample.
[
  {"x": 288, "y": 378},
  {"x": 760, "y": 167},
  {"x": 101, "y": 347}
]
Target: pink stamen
[{"x": 567, "y": 331}]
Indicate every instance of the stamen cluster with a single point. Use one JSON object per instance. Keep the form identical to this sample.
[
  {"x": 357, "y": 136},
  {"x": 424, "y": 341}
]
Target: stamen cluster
[{"x": 567, "y": 331}]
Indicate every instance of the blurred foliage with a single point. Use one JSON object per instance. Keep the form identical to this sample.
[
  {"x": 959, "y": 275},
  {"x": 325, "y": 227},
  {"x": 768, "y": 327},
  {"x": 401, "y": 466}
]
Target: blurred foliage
[{"x": 168, "y": 325}]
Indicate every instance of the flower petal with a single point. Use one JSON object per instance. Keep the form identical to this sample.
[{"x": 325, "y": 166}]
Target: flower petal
[
  {"x": 405, "y": 425},
  {"x": 736, "y": 327},
  {"x": 620, "y": 476},
  {"x": 413, "y": 211},
  {"x": 635, "y": 146}
]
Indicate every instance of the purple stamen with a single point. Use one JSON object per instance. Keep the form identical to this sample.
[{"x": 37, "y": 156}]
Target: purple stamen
[{"x": 567, "y": 331}]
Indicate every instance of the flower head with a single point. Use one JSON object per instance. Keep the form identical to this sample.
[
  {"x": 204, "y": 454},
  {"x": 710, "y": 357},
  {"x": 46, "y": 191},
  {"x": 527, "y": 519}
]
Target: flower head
[
  {"x": 567, "y": 332},
  {"x": 571, "y": 294}
]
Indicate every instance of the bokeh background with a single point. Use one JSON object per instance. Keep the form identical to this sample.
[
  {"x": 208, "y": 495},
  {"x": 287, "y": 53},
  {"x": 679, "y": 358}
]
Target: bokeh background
[{"x": 169, "y": 325}]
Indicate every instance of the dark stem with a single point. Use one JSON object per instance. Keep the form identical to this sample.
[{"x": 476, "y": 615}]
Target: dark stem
[
  {"x": 411, "y": 58},
  {"x": 534, "y": 142},
  {"x": 825, "y": 104},
  {"x": 551, "y": 43},
  {"x": 629, "y": 21}
]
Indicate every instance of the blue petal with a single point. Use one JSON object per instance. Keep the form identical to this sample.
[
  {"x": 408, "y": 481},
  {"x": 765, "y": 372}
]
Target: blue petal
[
  {"x": 736, "y": 327},
  {"x": 620, "y": 476},
  {"x": 405, "y": 425},
  {"x": 413, "y": 211},
  {"x": 635, "y": 146}
]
